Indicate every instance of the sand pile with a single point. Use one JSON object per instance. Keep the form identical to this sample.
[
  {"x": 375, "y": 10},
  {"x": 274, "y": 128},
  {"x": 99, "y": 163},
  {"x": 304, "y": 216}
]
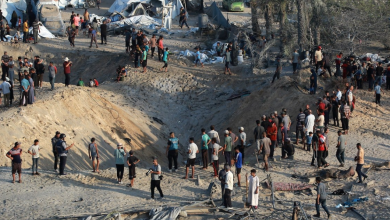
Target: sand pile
[{"x": 81, "y": 115}]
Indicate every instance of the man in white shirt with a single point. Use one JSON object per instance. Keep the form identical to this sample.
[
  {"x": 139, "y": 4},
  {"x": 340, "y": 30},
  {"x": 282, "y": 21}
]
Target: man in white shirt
[
  {"x": 309, "y": 125},
  {"x": 242, "y": 142},
  {"x": 318, "y": 57},
  {"x": 192, "y": 151},
  {"x": 228, "y": 187},
  {"x": 6, "y": 89},
  {"x": 212, "y": 134},
  {"x": 338, "y": 95},
  {"x": 350, "y": 98}
]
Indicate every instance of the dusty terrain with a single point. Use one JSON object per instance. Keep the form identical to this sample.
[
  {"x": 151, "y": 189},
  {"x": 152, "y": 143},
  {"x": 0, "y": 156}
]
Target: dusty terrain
[{"x": 185, "y": 99}]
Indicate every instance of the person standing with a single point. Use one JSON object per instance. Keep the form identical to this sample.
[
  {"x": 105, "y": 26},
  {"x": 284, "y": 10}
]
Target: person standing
[
  {"x": 227, "y": 58},
  {"x": 228, "y": 188},
  {"x": 67, "y": 64},
  {"x": 322, "y": 148},
  {"x": 321, "y": 198},
  {"x": 183, "y": 18},
  {"x": 134, "y": 38},
  {"x": 221, "y": 177},
  {"x": 119, "y": 155},
  {"x": 295, "y": 60},
  {"x": 31, "y": 92},
  {"x": 360, "y": 162},
  {"x": 192, "y": 150},
  {"x": 103, "y": 32},
  {"x": 338, "y": 64},
  {"x": 278, "y": 70},
  {"x": 300, "y": 126},
  {"x": 5, "y": 87},
  {"x": 4, "y": 65},
  {"x": 86, "y": 16},
  {"x": 62, "y": 150},
  {"x": 132, "y": 161},
  {"x": 93, "y": 153},
  {"x": 345, "y": 114},
  {"x": 378, "y": 91},
  {"x": 25, "y": 32},
  {"x": 212, "y": 134},
  {"x": 265, "y": 145},
  {"x": 152, "y": 44},
  {"x": 52, "y": 74},
  {"x": 172, "y": 151},
  {"x": 127, "y": 40},
  {"x": 318, "y": 57},
  {"x": 155, "y": 179},
  {"x": 36, "y": 30},
  {"x": 242, "y": 142},
  {"x": 216, "y": 149},
  {"x": 335, "y": 111},
  {"x": 34, "y": 151},
  {"x": 54, "y": 141},
  {"x": 309, "y": 126},
  {"x": 160, "y": 47},
  {"x": 15, "y": 155},
  {"x": 272, "y": 131},
  {"x": 25, "y": 87},
  {"x": 93, "y": 37},
  {"x": 204, "y": 147},
  {"x": 144, "y": 59},
  {"x": 238, "y": 164},
  {"x": 228, "y": 148},
  {"x": 76, "y": 22},
  {"x": 258, "y": 133},
  {"x": 2, "y": 31},
  {"x": 379, "y": 73},
  {"x": 253, "y": 194},
  {"x": 165, "y": 59},
  {"x": 340, "y": 153},
  {"x": 40, "y": 71}
]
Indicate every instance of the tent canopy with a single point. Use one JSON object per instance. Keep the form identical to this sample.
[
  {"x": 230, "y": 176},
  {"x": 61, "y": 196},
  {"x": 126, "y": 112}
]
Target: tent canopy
[
  {"x": 7, "y": 8},
  {"x": 216, "y": 15}
]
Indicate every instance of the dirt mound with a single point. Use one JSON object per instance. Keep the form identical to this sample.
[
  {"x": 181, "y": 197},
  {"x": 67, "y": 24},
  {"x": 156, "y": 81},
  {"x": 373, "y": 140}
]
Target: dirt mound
[{"x": 81, "y": 114}]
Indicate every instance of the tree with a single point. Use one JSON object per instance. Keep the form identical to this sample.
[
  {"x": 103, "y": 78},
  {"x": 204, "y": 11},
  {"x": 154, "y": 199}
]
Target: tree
[
  {"x": 256, "y": 12},
  {"x": 282, "y": 25},
  {"x": 269, "y": 18},
  {"x": 319, "y": 10},
  {"x": 302, "y": 24}
]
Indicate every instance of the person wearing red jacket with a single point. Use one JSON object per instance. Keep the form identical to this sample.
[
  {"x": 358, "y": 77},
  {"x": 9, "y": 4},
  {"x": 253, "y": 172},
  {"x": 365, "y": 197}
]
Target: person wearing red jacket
[
  {"x": 322, "y": 148},
  {"x": 272, "y": 131}
]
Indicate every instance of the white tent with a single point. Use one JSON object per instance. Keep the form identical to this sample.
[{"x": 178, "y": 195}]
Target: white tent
[
  {"x": 7, "y": 8},
  {"x": 120, "y": 5}
]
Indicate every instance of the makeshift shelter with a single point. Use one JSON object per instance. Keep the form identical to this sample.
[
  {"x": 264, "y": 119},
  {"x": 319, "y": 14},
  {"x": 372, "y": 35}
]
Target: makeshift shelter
[
  {"x": 135, "y": 9},
  {"x": 11, "y": 6},
  {"x": 216, "y": 15}
]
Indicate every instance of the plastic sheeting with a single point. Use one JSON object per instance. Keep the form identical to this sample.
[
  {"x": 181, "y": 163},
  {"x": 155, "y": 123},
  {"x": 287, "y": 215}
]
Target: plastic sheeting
[
  {"x": 120, "y": 5},
  {"x": 74, "y": 3},
  {"x": 203, "y": 57},
  {"x": 169, "y": 213},
  {"x": 19, "y": 4},
  {"x": 43, "y": 32},
  {"x": 216, "y": 15},
  {"x": 142, "y": 20},
  {"x": 7, "y": 8}
]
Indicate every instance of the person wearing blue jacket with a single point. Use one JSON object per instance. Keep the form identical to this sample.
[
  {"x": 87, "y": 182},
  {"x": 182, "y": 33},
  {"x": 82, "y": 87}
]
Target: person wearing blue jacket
[
  {"x": 172, "y": 151},
  {"x": 119, "y": 155}
]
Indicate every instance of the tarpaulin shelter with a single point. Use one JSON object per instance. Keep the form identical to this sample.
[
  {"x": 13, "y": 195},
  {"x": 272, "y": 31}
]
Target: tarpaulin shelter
[
  {"x": 8, "y": 7},
  {"x": 216, "y": 15}
]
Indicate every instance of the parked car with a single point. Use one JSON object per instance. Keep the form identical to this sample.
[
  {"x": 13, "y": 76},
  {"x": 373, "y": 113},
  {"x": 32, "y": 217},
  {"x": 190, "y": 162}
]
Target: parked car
[{"x": 233, "y": 5}]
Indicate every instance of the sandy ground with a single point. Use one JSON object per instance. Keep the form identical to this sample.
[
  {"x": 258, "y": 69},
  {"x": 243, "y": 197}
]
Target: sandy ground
[{"x": 185, "y": 99}]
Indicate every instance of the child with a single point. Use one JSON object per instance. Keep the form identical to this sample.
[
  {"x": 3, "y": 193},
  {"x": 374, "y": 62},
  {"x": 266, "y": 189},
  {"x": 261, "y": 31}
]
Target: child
[
  {"x": 19, "y": 23},
  {"x": 308, "y": 141},
  {"x": 197, "y": 58},
  {"x": 219, "y": 49},
  {"x": 165, "y": 59},
  {"x": 238, "y": 163},
  {"x": 216, "y": 149},
  {"x": 227, "y": 58},
  {"x": 34, "y": 151},
  {"x": 91, "y": 83},
  {"x": 96, "y": 83}
]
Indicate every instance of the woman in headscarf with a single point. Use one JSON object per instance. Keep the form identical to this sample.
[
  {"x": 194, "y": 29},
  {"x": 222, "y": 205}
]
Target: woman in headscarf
[{"x": 31, "y": 92}]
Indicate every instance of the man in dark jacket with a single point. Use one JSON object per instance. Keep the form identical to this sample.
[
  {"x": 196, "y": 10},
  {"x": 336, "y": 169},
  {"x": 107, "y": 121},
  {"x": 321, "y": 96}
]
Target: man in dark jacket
[
  {"x": 103, "y": 30},
  {"x": 54, "y": 141}
]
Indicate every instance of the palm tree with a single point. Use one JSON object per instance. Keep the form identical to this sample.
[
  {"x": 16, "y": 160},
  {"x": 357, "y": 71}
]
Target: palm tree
[
  {"x": 302, "y": 24},
  {"x": 269, "y": 17},
  {"x": 256, "y": 12},
  {"x": 282, "y": 25}
]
